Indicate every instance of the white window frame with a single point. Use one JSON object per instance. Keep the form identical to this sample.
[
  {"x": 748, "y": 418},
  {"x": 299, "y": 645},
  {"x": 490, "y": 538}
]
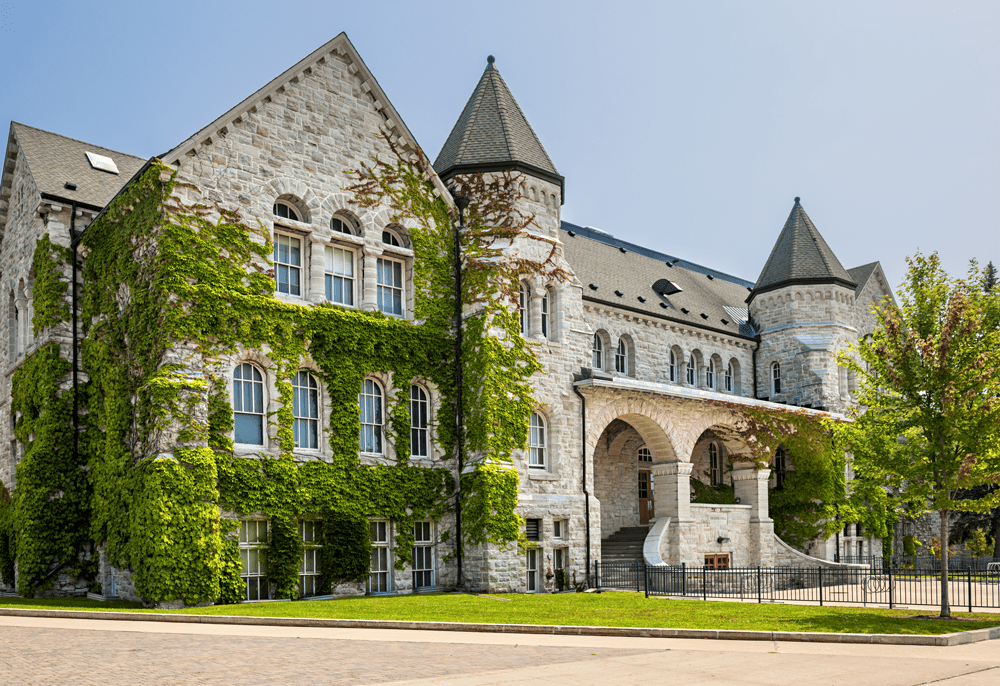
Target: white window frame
[
  {"x": 710, "y": 374},
  {"x": 299, "y": 268},
  {"x": 256, "y": 383},
  {"x": 342, "y": 226},
  {"x": 380, "y": 575},
  {"x": 307, "y": 422},
  {"x": 420, "y": 412},
  {"x": 537, "y": 446},
  {"x": 545, "y": 312},
  {"x": 424, "y": 575},
  {"x": 332, "y": 272},
  {"x": 560, "y": 559},
  {"x": 775, "y": 378},
  {"x": 560, "y": 529},
  {"x": 598, "y": 352},
  {"x": 531, "y": 560},
  {"x": 673, "y": 367},
  {"x": 372, "y": 431},
  {"x": 291, "y": 212},
  {"x": 394, "y": 239},
  {"x": 253, "y": 559},
  {"x": 692, "y": 371},
  {"x": 390, "y": 288},
  {"x": 621, "y": 357},
  {"x": 524, "y": 304},
  {"x": 729, "y": 378},
  {"x": 309, "y": 566}
]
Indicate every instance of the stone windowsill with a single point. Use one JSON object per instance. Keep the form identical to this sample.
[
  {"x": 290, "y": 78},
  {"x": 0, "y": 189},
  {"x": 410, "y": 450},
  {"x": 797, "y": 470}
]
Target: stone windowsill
[{"x": 542, "y": 476}]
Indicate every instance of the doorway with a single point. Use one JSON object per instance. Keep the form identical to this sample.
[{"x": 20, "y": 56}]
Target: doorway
[{"x": 646, "y": 506}]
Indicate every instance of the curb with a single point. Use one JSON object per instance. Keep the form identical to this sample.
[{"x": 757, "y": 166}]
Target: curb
[{"x": 952, "y": 639}]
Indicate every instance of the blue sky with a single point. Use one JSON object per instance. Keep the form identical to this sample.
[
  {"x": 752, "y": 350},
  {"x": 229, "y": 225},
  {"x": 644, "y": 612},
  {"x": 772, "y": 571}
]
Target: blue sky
[{"x": 688, "y": 127}]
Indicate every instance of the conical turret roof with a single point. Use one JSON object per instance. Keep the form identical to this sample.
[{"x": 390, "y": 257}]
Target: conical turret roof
[
  {"x": 492, "y": 134},
  {"x": 800, "y": 256}
]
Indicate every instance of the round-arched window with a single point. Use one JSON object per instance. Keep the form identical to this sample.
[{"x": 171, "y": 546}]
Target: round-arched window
[
  {"x": 248, "y": 405},
  {"x": 372, "y": 417},
  {"x": 285, "y": 211}
]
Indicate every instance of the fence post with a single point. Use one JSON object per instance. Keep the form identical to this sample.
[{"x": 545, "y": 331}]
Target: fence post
[
  {"x": 684, "y": 578},
  {"x": 759, "y": 594},
  {"x": 597, "y": 576},
  {"x": 821, "y": 587},
  {"x": 704, "y": 587},
  {"x": 890, "y": 586},
  {"x": 646, "y": 571},
  {"x": 968, "y": 575},
  {"x": 637, "y": 589}
]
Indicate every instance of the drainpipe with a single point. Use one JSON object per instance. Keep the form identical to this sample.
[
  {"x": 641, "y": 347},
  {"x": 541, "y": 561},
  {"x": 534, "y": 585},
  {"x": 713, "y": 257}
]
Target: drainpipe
[
  {"x": 74, "y": 242},
  {"x": 586, "y": 494},
  {"x": 461, "y": 202}
]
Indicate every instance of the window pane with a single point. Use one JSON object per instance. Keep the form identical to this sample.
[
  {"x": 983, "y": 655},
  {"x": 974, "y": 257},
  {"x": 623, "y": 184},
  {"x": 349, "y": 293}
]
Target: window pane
[{"x": 248, "y": 428}]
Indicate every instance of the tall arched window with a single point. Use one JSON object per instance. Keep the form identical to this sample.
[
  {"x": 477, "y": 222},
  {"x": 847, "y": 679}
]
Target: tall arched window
[
  {"x": 372, "y": 420},
  {"x": 714, "y": 464},
  {"x": 780, "y": 467},
  {"x": 305, "y": 410},
  {"x": 710, "y": 374},
  {"x": 419, "y": 412},
  {"x": 621, "y": 357},
  {"x": 729, "y": 378},
  {"x": 248, "y": 405},
  {"x": 775, "y": 378},
  {"x": 691, "y": 370},
  {"x": 536, "y": 442},
  {"x": 525, "y": 304},
  {"x": 545, "y": 312},
  {"x": 598, "y": 352},
  {"x": 673, "y": 367}
]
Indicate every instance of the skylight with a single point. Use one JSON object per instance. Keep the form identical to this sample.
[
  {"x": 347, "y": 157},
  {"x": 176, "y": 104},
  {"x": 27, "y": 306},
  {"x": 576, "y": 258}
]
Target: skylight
[{"x": 101, "y": 162}]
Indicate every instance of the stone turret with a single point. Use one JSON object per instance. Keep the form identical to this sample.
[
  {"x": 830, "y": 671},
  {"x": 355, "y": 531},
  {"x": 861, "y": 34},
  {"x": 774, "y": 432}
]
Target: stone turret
[{"x": 803, "y": 306}]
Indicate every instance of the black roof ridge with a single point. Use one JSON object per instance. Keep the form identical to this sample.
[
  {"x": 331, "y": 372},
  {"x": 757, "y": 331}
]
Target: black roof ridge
[{"x": 608, "y": 239}]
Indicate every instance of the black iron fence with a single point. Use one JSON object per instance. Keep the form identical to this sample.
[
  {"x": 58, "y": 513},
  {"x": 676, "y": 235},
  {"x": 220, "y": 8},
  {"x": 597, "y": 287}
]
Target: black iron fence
[
  {"x": 890, "y": 586},
  {"x": 955, "y": 562}
]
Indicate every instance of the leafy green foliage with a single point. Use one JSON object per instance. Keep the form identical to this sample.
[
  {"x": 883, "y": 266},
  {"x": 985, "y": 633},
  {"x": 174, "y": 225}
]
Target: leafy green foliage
[{"x": 50, "y": 264}]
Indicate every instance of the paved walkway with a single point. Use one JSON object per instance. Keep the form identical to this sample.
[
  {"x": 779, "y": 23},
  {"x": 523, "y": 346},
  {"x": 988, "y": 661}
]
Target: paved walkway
[{"x": 109, "y": 653}]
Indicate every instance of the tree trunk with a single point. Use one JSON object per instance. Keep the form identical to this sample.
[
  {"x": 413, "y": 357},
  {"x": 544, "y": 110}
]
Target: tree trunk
[{"x": 945, "y": 604}]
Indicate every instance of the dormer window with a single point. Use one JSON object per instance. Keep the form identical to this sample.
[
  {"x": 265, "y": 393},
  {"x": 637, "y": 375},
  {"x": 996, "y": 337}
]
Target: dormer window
[{"x": 285, "y": 211}]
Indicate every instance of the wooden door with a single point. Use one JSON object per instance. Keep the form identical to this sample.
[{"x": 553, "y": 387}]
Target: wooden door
[{"x": 645, "y": 496}]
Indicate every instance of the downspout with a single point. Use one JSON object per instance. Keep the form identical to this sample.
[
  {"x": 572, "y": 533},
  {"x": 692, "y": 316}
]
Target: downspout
[
  {"x": 586, "y": 494},
  {"x": 461, "y": 202},
  {"x": 74, "y": 242}
]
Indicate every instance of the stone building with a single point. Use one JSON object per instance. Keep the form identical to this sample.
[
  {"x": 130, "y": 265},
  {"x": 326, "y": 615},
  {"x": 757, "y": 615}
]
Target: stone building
[{"x": 646, "y": 357}]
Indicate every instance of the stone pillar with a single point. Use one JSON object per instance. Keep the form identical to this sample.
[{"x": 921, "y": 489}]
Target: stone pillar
[
  {"x": 369, "y": 300},
  {"x": 673, "y": 499},
  {"x": 317, "y": 271},
  {"x": 535, "y": 320},
  {"x": 750, "y": 486}
]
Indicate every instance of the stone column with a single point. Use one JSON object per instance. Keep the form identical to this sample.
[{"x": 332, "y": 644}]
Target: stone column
[
  {"x": 369, "y": 300},
  {"x": 673, "y": 499},
  {"x": 750, "y": 486},
  {"x": 535, "y": 320},
  {"x": 317, "y": 271}
]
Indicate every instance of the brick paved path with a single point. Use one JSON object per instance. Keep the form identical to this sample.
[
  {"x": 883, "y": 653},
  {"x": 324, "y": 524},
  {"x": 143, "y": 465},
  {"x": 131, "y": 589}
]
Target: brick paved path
[{"x": 53, "y": 651}]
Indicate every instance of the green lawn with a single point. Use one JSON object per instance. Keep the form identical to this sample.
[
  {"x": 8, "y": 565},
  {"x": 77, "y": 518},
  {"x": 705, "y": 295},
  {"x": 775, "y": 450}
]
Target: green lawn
[{"x": 605, "y": 609}]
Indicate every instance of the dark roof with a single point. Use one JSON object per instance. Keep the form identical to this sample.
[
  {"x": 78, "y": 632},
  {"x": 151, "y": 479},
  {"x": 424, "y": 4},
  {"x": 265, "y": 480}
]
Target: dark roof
[
  {"x": 860, "y": 275},
  {"x": 601, "y": 260},
  {"x": 492, "y": 134},
  {"x": 800, "y": 255},
  {"x": 55, "y": 160}
]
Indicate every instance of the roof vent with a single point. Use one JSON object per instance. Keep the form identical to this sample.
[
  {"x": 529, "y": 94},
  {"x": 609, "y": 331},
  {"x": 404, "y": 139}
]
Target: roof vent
[
  {"x": 666, "y": 287},
  {"x": 70, "y": 186},
  {"x": 750, "y": 288},
  {"x": 710, "y": 277},
  {"x": 669, "y": 264},
  {"x": 571, "y": 233},
  {"x": 725, "y": 321},
  {"x": 619, "y": 293},
  {"x": 622, "y": 250},
  {"x": 593, "y": 286},
  {"x": 664, "y": 305},
  {"x": 685, "y": 310},
  {"x": 102, "y": 163},
  {"x": 641, "y": 299},
  {"x": 704, "y": 316}
]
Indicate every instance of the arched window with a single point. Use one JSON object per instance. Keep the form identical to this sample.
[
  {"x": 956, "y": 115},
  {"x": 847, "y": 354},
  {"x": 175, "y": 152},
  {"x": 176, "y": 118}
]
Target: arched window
[
  {"x": 775, "y": 378},
  {"x": 692, "y": 368},
  {"x": 419, "y": 412},
  {"x": 536, "y": 442},
  {"x": 524, "y": 304},
  {"x": 645, "y": 455},
  {"x": 673, "y": 367},
  {"x": 714, "y": 464},
  {"x": 729, "y": 378},
  {"x": 338, "y": 225},
  {"x": 305, "y": 410},
  {"x": 598, "y": 352},
  {"x": 710, "y": 374},
  {"x": 285, "y": 211},
  {"x": 372, "y": 420},
  {"x": 248, "y": 405},
  {"x": 621, "y": 357},
  {"x": 780, "y": 468},
  {"x": 545, "y": 312},
  {"x": 390, "y": 238}
]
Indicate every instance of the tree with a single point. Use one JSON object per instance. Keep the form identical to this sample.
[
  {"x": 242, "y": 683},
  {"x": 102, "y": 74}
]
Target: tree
[
  {"x": 929, "y": 419},
  {"x": 989, "y": 277}
]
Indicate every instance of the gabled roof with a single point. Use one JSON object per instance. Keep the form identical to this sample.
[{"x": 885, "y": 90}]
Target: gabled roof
[
  {"x": 860, "y": 275},
  {"x": 55, "y": 161},
  {"x": 492, "y": 134},
  {"x": 615, "y": 266},
  {"x": 800, "y": 255}
]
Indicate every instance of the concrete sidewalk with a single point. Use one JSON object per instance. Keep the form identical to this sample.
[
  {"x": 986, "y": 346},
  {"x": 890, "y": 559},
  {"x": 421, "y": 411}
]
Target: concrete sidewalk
[{"x": 49, "y": 651}]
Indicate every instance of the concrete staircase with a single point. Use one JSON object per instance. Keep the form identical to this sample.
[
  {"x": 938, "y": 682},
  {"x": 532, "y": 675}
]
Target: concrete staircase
[{"x": 624, "y": 545}]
